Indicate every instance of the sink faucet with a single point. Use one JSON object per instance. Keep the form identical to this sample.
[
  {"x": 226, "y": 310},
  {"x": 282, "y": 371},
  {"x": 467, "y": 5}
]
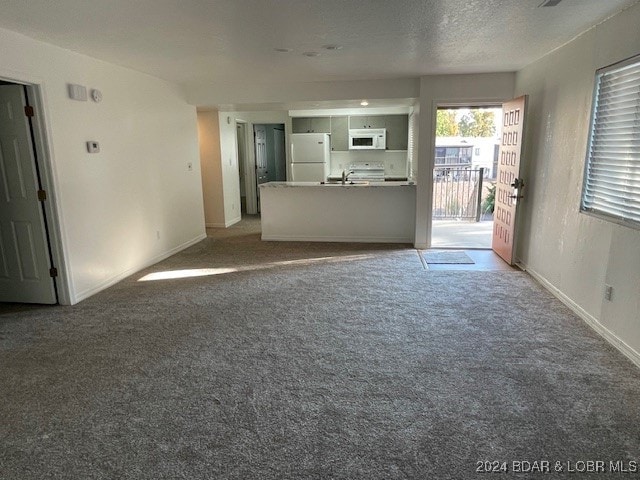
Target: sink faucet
[{"x": 345, "y": 176}]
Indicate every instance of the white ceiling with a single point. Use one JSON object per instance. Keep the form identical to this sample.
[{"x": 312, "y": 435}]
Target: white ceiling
[{"x": 194, "y": 42}]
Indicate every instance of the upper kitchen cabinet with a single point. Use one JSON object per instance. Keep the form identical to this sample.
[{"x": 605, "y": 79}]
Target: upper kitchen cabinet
[
  {"x": 370, "y": 121},
  {"x": 339, "y": 134},
  {"x": 311, "y": 125},
  {"x": 397, "y": 131}
]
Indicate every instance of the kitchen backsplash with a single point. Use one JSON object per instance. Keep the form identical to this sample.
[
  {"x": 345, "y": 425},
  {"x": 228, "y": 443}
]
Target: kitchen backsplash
[{"x": 395, "y": 162}]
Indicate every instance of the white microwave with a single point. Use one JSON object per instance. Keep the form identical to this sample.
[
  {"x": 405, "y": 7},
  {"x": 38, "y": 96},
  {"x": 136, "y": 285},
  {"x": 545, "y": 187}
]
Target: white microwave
[{"x": 367, "y": 139}]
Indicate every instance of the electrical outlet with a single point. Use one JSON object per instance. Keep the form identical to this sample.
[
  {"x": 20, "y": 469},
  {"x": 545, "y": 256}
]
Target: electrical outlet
[
  {"x": 233, "y": 206},
  {"x": 93, "y": 147},
  {"x": 391, "y": 166},
  {"x": 608, "y": 292},
  {"x": 189, "y": 166}
]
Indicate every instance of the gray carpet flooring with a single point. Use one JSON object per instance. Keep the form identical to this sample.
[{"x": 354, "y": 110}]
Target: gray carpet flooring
[{"x": 308, "y": 361}]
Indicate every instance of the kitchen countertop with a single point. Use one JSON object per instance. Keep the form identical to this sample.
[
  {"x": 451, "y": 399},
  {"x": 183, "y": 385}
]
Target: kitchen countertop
[
  {"x": 336, "y": 184},
  {"x": 388, "y": 178}
]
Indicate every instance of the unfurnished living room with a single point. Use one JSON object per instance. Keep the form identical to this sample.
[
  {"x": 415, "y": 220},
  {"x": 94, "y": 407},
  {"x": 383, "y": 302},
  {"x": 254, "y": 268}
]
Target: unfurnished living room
[{"x": 217, "y": 250}]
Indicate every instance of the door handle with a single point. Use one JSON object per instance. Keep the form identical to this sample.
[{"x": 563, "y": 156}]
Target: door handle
[{"x": 517, "y": 184}]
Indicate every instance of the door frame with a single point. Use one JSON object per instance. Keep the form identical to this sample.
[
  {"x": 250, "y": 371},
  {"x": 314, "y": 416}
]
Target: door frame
[
  {"x": 36, "y": 91},
  {"x": 249, "y": 166},
  {"x": 244, "y": 167},
  {"x": 255, "y": 161},
  {"x": 436, "y": 104}
]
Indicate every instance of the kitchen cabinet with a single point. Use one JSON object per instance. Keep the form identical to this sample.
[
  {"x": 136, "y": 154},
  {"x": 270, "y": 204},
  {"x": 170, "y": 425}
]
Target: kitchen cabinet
[
  {"x": 397, "y": 131},
  {"x": 339, "y": 134},
  {"x": 397, "y": 127},
  {"x": 367, "y": 121},
  {"x": 311, "y": 125}
]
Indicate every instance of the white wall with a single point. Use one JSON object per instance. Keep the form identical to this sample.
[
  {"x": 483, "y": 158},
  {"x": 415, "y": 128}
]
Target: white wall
[
  {"x": 220, "y": 94},
  {"x": 573, "y": 253},
  {"x": 395, "y": 161},
  {"x": 442, "y": 90},
  {"x": 211, "y": 168},
  {"x": 412, "y": 150},
  {"x": 112, "y": 204}
]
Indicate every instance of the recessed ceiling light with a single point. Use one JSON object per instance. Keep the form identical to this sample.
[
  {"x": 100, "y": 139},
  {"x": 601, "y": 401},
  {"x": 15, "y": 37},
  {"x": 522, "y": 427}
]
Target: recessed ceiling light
[
  {"x": 364, "y": 103},
  {"x": 311, "y": 54},
  {"x": 283, "y": 50},
  {"x": 332, "y": 47}
]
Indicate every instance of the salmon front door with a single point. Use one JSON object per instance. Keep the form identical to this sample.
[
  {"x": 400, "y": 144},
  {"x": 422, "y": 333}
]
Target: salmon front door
[{"x": 509, "y": 182}]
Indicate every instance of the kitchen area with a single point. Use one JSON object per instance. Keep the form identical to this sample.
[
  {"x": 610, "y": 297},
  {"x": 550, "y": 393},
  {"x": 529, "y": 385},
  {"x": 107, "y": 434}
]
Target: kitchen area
[
  {"x": 373, "y": 146},
  {"x": 350, "y": 181}
]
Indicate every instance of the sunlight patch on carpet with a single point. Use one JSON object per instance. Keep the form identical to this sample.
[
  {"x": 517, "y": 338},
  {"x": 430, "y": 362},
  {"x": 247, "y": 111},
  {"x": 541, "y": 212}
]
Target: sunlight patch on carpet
[{"x": 204, "y": 272}]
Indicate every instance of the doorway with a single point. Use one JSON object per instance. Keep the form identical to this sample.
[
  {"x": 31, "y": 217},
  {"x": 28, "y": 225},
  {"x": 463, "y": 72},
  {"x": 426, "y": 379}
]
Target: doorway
[
  {"x": 28, "y": 259},
  {"x": 270, "y": 148},
  {"x": 241, "y": 136},
  {"x": 464, "y": 177}
]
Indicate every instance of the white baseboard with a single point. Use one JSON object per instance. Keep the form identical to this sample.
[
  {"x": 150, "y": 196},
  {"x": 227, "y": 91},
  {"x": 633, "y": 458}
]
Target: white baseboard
[
  {"x": 78, "y": 297},
  {"x": 297, "y": 238},
  {"x": 589, "y": 319},
  {"x": 223, "y": 225},
  {"x": 233, "y": 221}
]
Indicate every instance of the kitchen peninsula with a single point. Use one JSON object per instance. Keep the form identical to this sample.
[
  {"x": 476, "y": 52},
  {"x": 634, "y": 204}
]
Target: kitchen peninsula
[{"x": 333, "y": 212}]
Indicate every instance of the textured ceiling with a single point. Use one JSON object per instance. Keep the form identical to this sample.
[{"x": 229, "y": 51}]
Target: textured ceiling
[{"x": 198, "y": 41}]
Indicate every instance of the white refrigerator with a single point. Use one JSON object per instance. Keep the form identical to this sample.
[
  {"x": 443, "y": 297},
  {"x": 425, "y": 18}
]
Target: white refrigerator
[{"x": 310, "y": 155}]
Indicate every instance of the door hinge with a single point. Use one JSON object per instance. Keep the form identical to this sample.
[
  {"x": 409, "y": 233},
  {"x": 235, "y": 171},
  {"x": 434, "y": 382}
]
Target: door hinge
[
  {"x": 53, "y": 272},
  {"x": 28, "y": 111},
  {"x": 42, "y": 195}
]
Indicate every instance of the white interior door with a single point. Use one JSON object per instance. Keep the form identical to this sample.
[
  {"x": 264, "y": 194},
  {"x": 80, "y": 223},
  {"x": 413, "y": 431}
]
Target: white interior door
[
  {"x": 280, "y": 174},
  {"x": 261, "y": 154},
  {"x": 260, "y": 141},
  {"x": 24, "y": 252}
]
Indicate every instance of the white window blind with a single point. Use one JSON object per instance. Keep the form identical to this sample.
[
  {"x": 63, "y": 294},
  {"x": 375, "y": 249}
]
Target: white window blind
[{"x": 612, "y": 175}]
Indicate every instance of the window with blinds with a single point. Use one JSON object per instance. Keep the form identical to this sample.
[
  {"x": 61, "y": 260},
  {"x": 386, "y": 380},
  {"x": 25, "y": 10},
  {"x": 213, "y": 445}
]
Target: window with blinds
[{"x": 612, "y": 176}]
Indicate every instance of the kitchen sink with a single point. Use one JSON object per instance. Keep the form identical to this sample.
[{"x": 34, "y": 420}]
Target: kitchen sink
[{"x": 347, "y": 183}]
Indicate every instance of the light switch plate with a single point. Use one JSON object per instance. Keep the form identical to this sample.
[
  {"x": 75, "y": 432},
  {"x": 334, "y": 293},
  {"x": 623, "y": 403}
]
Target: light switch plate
[
  {"x": 93, "y": 146},
  {"x": 77, "y": 92}
]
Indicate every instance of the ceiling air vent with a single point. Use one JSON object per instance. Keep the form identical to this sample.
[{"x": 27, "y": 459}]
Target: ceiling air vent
[{"x": 549, "y": 3}]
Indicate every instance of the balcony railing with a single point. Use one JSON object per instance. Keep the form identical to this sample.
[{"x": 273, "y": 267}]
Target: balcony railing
[
  {"x": 453, "y": 160},
  {"x": 457, "y": 193}
]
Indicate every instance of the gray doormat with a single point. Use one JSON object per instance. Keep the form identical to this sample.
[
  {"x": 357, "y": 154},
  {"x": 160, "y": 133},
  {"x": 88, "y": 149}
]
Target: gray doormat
[{"x": 447, "y": 257}]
